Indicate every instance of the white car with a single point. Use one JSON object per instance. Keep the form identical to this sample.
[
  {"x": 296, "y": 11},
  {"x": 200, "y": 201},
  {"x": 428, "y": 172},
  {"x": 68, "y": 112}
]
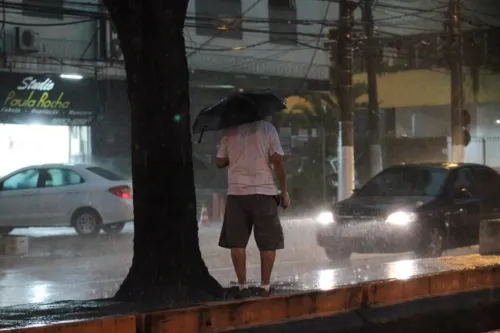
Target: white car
[{"x": 86, "y": 197}]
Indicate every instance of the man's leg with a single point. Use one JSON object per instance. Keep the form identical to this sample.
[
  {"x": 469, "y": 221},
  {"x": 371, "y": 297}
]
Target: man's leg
[
  {"x": 266, "y": 267},
  {"x": 268, "y": 235},
  {"x": 235, "y": 233},
  {"x": 239, "y": 258}
]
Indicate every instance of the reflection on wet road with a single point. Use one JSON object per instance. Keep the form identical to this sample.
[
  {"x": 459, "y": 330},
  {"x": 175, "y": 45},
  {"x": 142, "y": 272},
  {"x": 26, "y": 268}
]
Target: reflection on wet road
[{"x": 64, "y": 266}]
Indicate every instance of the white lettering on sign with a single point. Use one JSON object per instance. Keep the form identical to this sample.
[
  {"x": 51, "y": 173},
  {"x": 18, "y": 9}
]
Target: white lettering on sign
[{"x": 30, "y": 83}]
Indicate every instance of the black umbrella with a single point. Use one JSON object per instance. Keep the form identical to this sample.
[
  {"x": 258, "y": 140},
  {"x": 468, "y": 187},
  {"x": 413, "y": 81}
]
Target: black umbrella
[{"x": 237, "y": 109}]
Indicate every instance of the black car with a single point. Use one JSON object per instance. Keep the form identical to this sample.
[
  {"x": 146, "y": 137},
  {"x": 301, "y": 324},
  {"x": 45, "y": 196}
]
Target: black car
[{"x": 425, "y": 208}]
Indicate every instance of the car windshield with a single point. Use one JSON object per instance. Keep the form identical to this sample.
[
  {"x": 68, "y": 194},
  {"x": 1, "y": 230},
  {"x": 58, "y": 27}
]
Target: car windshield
[
  {"x": 106, "y": 174},
  {"x": 406, "y": 181}
]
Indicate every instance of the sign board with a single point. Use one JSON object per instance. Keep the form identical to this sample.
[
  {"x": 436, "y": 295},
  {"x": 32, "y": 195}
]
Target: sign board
[{"x": 46, "y": 99}]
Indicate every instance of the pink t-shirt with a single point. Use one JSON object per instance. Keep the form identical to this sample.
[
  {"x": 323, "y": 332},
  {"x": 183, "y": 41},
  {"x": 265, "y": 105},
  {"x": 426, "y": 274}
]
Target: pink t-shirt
[{"x": 248, "y": 148}]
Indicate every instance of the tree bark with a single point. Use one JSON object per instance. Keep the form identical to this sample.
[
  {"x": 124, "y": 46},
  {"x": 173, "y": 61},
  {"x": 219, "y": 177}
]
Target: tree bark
[{"x": 167, "y": 265}]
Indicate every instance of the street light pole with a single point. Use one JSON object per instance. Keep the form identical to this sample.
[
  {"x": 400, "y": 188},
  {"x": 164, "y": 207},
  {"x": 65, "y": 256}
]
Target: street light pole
[
  {"x": 341, "y": 82},
  {"x": 455, "y": 58},
  {"x": 371, "y": 71}
]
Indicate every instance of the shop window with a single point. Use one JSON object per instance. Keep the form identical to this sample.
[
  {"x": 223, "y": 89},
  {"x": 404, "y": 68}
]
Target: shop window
[
  {"x": 23, "y": 180},
  {"x": 282, "y": 22},
  {"x": 44, "y": 8},
  {"x": 62, "y": 177},
  {"x": 219, "y": 18}
]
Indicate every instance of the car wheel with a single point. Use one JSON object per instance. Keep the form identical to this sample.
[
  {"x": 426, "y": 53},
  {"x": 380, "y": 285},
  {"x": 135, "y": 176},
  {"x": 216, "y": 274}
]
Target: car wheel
[
  {"x": 87, "y": 222},
  {"x": 4, "y": 231},
  {"x": 113, "y": 228},
  {"x": 434, "y": 244},
  {"x": 337, "y": 253}
]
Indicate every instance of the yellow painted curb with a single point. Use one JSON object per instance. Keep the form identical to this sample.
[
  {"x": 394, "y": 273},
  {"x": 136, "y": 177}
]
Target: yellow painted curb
[
  {"x": 125, "y": 324},
  {"x": 238, "y": 314}
]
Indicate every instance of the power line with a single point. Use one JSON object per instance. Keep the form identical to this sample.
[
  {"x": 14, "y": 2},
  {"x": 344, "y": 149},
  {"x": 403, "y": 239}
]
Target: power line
[
  {"x": 318, "y": 41},
  {"x": 208, "y": 41}
]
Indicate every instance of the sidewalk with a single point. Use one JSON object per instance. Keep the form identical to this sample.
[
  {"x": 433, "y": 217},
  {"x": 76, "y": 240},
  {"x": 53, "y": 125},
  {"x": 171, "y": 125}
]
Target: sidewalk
[{"x": 415, "y": 279}]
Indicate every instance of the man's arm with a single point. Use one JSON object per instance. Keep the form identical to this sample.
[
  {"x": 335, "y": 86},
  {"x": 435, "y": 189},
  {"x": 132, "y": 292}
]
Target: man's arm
[
  {"x": 279, "y": 169},
  {"x": 276, "y": 157},
  {"x": 222, "y": 161}
]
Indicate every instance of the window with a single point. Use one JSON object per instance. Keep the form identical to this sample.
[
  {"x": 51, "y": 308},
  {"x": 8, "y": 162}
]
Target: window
[
  {"x": 219, "y": 18},
  {"x": 106, "y": 174},
  {"x": 23, "y": 180},
  {"x": 283, "y": 29},
  {"x": 406, "y": 181},
  {"x": 485, "y": 182},
  {"x": 463, "y": 179},
  {"x": 62, "y": 177},
  {"x": 44, "y": 8}
]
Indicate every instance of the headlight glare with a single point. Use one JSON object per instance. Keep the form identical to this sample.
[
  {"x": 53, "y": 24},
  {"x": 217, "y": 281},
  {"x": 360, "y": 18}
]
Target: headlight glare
[
  {"x": 401, "y": 218},
  {"x": 325, "y": 218}
]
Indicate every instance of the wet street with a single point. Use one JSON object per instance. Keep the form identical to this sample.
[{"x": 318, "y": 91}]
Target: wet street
[{"x": 64, "y": 266}]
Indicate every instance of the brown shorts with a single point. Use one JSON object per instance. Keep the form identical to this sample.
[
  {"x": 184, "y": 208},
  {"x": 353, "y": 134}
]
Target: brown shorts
[{"x": 244, "y": 212}]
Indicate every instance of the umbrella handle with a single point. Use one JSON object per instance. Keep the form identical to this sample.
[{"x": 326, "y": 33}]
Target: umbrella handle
[{"x": 201, "y": 134}]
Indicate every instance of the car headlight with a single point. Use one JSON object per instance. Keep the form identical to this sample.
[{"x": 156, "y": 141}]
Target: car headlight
[
  {"x": 401, "y": 218},
  {"x": 325, "y": 218}
]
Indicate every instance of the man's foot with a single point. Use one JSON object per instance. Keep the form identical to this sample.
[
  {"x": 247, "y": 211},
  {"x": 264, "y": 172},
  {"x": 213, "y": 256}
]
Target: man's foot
[
  {"x": 263, "y": 292},
  {"x": 243, "y": 293}
]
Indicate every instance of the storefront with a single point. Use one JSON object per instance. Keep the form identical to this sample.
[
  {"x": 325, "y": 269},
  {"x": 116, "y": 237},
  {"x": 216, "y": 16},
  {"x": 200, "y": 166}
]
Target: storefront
[{"x": 45, "y": 119}]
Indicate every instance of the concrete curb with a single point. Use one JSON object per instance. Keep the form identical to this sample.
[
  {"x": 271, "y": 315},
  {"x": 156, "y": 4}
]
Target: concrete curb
[
  {"x": 469, "y": 274},
  {"x": 257, "y": 312}
]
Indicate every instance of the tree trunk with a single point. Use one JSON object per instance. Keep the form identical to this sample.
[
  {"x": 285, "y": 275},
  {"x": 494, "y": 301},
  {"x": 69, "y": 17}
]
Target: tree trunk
[{"x": 167, "y": 265}]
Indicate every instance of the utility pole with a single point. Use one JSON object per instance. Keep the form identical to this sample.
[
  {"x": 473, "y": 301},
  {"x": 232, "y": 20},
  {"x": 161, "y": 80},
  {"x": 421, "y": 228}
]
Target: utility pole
[
  {"x": 341, "y": 85},
  {"x": 371, "y": 70},
  {"x": 455, "y": 58}
]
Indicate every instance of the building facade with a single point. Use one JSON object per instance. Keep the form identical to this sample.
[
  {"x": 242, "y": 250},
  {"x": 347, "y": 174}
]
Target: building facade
[{"x": 238, "y": 44}]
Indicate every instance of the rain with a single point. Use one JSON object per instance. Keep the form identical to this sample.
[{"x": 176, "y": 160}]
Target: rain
[{"x": 111, "y": 125}]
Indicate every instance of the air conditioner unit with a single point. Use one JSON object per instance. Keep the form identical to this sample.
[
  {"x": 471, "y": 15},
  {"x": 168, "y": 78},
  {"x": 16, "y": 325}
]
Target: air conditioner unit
[{"x": 27, "y": 40}]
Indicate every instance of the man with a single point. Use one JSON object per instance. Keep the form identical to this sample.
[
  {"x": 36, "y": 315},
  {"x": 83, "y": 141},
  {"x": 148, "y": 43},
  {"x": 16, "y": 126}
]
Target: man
[{"x": 250, "y": 151}]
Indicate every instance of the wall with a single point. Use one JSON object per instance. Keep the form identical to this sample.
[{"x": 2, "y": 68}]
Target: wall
[
  {"x": 62, "y": 41},
  {"x": 420, "y": 88}
]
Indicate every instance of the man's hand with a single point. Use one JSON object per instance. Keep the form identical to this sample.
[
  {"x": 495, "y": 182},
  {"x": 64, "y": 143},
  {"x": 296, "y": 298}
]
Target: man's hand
[
  {"x": 221, "y": 162},
  {"x": 284, "y": 200}
]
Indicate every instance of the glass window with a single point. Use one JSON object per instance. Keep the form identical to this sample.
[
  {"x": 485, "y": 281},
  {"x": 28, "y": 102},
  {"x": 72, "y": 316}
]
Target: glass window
[
  {"x": 406, "y": 181},
  {"x": 463, "y": 179},
  {"x": 106, "y": 174},
  {"x": 62, "y": 177},
  {"x": 27, "y": 179},
  {"x": 485, "y": 182}
]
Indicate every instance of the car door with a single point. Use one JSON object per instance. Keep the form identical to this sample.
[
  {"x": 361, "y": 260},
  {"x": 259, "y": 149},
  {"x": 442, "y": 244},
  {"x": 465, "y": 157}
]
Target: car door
[
  {"x": 19, "y": 199},
  {"x": 62, "y": 194},
  {"x": 486, "y": 185},
  {"x": 466, "y": 207}
]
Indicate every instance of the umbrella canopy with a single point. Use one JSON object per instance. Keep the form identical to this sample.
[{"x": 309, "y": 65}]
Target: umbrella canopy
[{"x": 237, "y": 109}]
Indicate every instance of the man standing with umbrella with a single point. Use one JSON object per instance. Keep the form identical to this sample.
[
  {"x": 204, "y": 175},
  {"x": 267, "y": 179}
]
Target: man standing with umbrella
[{"x": 250, "y": 151}]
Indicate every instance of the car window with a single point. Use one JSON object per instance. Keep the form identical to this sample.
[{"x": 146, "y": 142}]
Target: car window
[
  {"x": 485, "y": 182},
  {"x": 27, "y": 179},
  {"x": 463, "y": 179},
  {"x": 406, "y": 181},
  {"x": 62, "y": 177},
  {"x": 106, "y": 174}
]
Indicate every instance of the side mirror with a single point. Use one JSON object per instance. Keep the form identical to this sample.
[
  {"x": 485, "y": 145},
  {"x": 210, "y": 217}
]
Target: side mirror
[{"x": 462, "y": 193}]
